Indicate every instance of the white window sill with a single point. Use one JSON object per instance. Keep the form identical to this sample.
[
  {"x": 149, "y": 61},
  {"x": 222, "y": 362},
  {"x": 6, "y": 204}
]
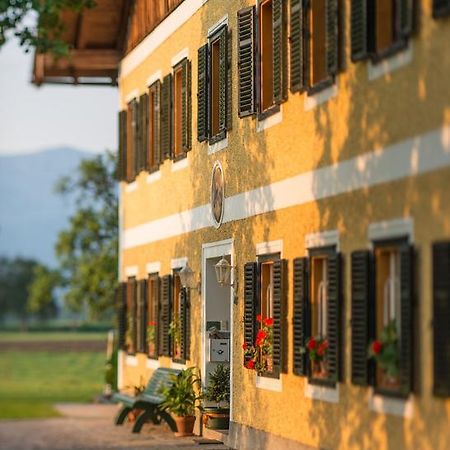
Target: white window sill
[
  {"x": 393, "y": 406},
  {"x": 131, "y": 361},
  {"x": 389, "y": 65},
  {"x": 322, "y": 239},
  {"x": 131, "y": 271},
  {"x": 130, "y": 187},
  {"x": 153, "y": 267},
  {"x": 178, "y": 366},
  {"x": 269, "y": 384},
  {"x": 179, "y": 165},
  {"x": 155, "y": 176},
  {"x": 321, "y": 97},
  {"x": 216, "y": 147},
  {"x": 323, "y": 393},
  {"x": 153, "y": 363},
  {"x": 271, "y": 121}
]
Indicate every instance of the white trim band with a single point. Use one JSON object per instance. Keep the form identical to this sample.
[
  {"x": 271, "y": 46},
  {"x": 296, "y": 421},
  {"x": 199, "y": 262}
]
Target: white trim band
[{"x": 418, "y": 155}]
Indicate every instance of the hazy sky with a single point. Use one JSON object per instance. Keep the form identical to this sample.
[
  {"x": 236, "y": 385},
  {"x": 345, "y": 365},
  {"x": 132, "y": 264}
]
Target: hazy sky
[{"x": 34, "y": 118}]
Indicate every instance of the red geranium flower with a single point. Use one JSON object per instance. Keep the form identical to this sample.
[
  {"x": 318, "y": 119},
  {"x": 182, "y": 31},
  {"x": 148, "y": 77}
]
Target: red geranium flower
[
  {"x": 250, "y": 364},
  {"x": 151, "y": 324},
  {"x": 322, "y": 347},
  {"x": 311, "y": 344},
  {"x": 245, "y": 345},
  {"x": 268, "y": 322},
  {"x": 376, "y": 347},
  {"x": 258, "y": 317}
]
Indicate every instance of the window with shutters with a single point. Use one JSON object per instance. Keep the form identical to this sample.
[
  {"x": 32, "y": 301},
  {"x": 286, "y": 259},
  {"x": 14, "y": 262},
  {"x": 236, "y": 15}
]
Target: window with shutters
[
  {"x": 131, "y": 141},
  {"x": 265, "y": 24},
  {"x": 212, "y": 119},
  {"x": 380, "y": 28},
  {"x": 386, "y": 347},
  {"x": 265, "y": 314},
  {"x": 441, "y": 8},
  {"x": 175, "y": 328},
  {"x": 152, "y": 319},
  {"x": 153, "y": 148},
  {"x": 177, "y": 111},
  {"x": 131, "y": 328},
  {"x": 314, "y": 44}
]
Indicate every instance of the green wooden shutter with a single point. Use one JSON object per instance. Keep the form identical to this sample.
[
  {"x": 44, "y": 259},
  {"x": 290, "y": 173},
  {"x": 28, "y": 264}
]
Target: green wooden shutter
[
  {"x": 441, "y": 8},
  {"x": 404, "y": 17},
  {"x": 279, "y": 50},
  {"x": 223, "y": 80},
  {"x": 246, "y": 61},
  {"x": 136, "y": 141},
  {"x": 441, "y": 319},
  {"x": 358, "y": 29},
  {"x": 185, "y": 324},
  {"x": 133, "y": 313},
  {"x": 363, "y": 315},
  {"x": 297, "y": 39},
  {"x": 250, "y": 301},
  {"x": 166, "y": 117},
  {"x": 143, "y": 131},
  {"x": 122, "y": 156},
  {"x": 407, "y": 305},
  {"x": 155, "y": 89},
  {"x": 202, "y": 93},
  {"x": 165, "y": 311},
  {"x": 334, "y": 316},
  {"x": 300, "y": 319},
  {"x": 155, "y": 305},
  {"x": 186, "y": 105},
  {"x": 229, "y": 81},
  {"x": 332, "y": 36},
  {"x": 279, "y": 316},
  {"x": 122, "y": 314}
]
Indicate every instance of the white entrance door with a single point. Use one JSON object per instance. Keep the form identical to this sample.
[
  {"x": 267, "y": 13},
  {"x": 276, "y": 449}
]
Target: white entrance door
[{"x": 217, "y": 312}]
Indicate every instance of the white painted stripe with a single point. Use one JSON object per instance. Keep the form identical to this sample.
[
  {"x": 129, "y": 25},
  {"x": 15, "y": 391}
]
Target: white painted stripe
[
  {"x": 266, "y": 248},
  {"x": 180, "y": 56},
  {"x": 322, "y": 239},
  {"x": 131, "y": 271},
  {"x": 394, "y": 406},
  {"x": 389, "y": 229},
  {"x": 153, "y": 267},
  {"x": 216, "y": 147},
  {"x": 391, "y": 64},
  {"x": 269, "y": 384},
  {"x": 152, "y": 177},
  {"x": 320, "y": 97},
  {"x": 162, "y": 32},
  {"x": 154, "y": 77},
  {"x": 270, "y": 121},
  {"x": 418, "y": 155},
  {"x": 323, "y": 393},
  {"x": 179, "y": 165}
]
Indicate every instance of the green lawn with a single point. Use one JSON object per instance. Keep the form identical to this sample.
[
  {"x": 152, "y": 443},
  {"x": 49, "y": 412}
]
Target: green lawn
[
  {"x": 14, "y": 336},
  {"x": 30, "y": 382}
]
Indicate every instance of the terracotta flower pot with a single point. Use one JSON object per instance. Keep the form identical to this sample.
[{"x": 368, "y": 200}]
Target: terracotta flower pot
[{"x": 185, "y": 425}]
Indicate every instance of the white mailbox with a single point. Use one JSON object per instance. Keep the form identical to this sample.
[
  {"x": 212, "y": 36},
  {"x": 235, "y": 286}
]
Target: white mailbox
[{"x": 219, "y": 350}]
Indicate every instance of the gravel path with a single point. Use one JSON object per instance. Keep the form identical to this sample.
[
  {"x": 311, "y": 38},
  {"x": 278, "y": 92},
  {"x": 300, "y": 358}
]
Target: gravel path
[{"x": 89, "y": 427}]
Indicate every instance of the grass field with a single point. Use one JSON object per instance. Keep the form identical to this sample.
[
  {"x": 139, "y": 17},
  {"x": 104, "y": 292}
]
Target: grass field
[
  {"x": 32, "y": 381},
  {"x": 6, "y": 336}
]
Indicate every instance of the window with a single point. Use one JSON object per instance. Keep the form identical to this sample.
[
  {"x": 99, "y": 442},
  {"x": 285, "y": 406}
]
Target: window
[
  {"x": 131, "y": 332},
  {"x": 262, "y": 32},
  {"x": 317, "y": 316},
  {"x": 152, "y": 319},
  {"x": 176, "y": 112},
  {"x": 213, "y": 81},
  {"x": 380, "y": 28},
  {"x": 314, "y": 44},
  {"x": 153, "y": 149},
  {"x": 264, "y": 315},
  {"x": 441, "y": 8},
  {"x": 382, "y": 317}
]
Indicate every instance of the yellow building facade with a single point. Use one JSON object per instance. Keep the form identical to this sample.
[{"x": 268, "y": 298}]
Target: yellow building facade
[{"x": 308, "y": 145}]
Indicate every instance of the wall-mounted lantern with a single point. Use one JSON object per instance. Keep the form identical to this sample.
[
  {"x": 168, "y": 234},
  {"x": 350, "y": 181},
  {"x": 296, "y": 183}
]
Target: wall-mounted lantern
[
  {"x": 187, "y": 279},
  {"x": 223, "y": 274}
]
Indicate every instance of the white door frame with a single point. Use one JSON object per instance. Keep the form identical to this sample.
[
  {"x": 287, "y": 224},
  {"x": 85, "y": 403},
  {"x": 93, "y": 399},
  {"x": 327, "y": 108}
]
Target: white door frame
[{"x": 216, "y": 250}]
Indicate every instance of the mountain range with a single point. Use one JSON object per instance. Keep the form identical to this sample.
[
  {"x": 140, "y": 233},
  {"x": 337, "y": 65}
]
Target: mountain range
[{"x": 31, "y": 213}]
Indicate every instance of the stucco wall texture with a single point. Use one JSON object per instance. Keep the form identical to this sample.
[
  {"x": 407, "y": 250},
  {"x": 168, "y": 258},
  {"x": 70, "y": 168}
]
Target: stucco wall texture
[{"x": 364, "y": 116}]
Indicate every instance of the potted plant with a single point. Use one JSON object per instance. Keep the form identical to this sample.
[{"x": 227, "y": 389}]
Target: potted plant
[
  {"x": 218, "y": 391},
  {"x": 181, "y": 400},
  {"x": 317, "y": 348},
  {"x": 385, "y": 351},
  {"x": 259, "y": 355}
]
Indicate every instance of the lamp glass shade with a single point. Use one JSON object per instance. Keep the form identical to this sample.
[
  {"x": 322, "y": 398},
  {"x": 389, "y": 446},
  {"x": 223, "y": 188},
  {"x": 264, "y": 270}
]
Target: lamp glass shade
[
  {"x": 187, "y": 277},
  {"x": 223, "y": 270}
]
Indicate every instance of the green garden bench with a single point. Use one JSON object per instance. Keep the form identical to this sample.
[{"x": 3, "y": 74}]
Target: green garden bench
[{"x": 149, "y": 401}]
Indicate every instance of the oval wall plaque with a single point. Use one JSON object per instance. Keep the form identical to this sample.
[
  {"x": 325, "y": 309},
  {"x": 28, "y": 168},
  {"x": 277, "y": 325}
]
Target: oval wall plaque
[{"x": 217, "y": 194}]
